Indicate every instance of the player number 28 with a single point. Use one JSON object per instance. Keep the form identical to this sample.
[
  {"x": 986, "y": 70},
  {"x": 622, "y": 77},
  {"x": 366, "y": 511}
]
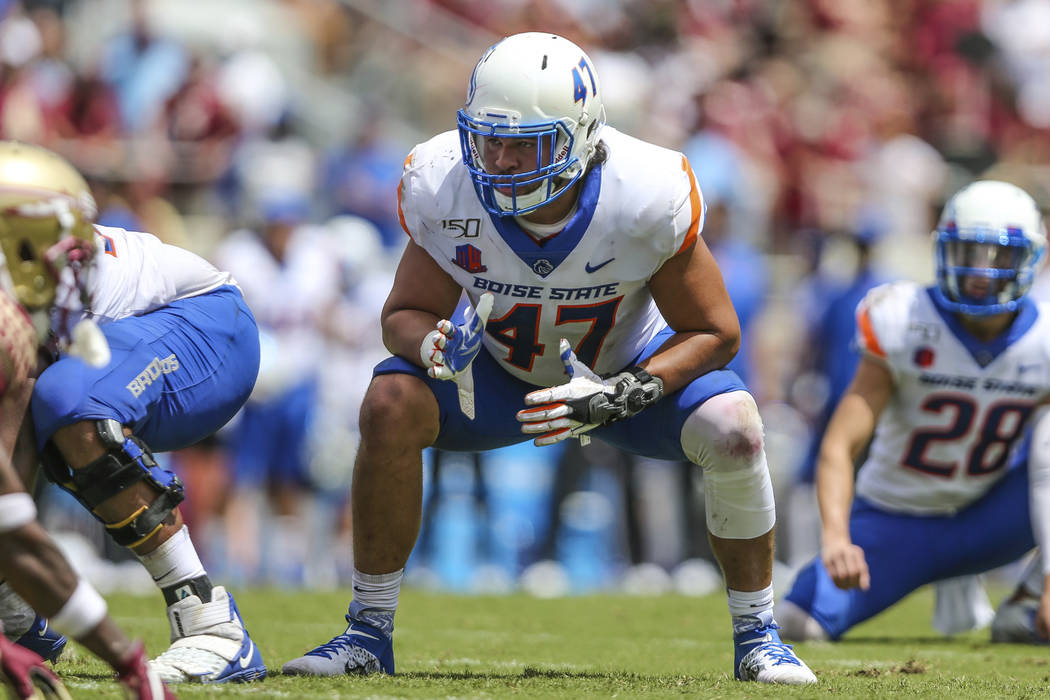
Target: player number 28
[{"x": 1000, "y": 426}]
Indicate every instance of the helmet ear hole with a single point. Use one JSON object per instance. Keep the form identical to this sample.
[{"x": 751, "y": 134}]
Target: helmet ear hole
[{"x": 25, "y": 251}]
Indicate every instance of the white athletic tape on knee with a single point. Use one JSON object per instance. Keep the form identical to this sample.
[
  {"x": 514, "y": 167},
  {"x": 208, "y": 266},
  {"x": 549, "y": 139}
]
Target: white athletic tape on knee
[
  {"x": 16, "y": 509},
  {"x": 724, "y": 436},
  {"x": 81, "y": 613}
]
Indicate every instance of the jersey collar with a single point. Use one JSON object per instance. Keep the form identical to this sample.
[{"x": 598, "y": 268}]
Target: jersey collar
[
  {"x": 543, "y": 257},
  {"x": 984, "y": 353}
]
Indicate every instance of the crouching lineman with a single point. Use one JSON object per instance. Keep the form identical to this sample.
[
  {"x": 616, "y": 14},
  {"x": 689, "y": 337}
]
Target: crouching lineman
[
  {"x": 30, "y": 562},
  {"x": 184, "y": 354},
  {"x": 583, "y": 245},
  {"x": 951, "y": 376}
]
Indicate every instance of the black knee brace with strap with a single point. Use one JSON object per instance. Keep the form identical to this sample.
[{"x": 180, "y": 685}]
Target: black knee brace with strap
[{"x": 127, "y": 461}]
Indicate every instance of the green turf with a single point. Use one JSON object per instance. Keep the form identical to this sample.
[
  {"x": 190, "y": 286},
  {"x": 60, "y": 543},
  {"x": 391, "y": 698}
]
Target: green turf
[{"x": 587, "y": 647}]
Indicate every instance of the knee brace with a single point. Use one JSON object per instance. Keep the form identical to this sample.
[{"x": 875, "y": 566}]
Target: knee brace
[
  {"x": 724, "y": 436},
  {"x": 127, "y": 461}
]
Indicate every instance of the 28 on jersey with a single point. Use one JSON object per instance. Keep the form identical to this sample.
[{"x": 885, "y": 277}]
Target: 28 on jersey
[{"x": 959, "y": 405}]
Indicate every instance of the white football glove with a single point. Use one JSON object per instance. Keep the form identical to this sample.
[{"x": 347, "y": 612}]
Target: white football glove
[
  {"x": 89, "y": 344},
  {"x": 586, "y": 401},
  {"x": 448, "y": 351}
]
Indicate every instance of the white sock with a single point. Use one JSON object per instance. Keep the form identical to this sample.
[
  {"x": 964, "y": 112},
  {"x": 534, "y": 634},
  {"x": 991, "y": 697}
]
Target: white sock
[
  {"x": 174, "y": 561},
  {"x": 747, "y": 607},
  {"x": 377, "y": 591},
  {"x": 375, "y": 598}
]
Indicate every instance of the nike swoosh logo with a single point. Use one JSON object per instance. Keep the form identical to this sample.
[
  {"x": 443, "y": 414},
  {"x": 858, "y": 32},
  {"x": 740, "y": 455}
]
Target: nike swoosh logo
[
  {"x": 359, "y": 633},
  {"x": 758, "y": 640},
  {"x": 589, "y": 268},
  {"x": 246, "y": 658},
  {"x": 470, "y": 346},
  {"x": 43, "y": 630}
]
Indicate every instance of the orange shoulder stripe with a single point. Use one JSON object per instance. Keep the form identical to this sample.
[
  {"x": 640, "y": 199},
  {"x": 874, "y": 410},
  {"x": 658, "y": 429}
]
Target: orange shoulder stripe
[
  {"x": 871, "y": 342},
  {"x": 400, "y": 212},
  {"x": 695, "y": 204}
]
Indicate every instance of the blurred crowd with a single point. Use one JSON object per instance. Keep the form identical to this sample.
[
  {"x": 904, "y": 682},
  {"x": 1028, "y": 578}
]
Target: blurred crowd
[{"x": 268, "y": 136}]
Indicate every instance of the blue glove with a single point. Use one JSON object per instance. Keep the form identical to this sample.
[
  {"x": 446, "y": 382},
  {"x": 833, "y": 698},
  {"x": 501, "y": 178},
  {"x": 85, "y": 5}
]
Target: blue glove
[{"x": 448, "y": 351}]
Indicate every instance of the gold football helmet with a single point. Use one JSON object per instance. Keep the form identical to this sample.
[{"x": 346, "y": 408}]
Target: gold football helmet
[{"x": 46, "y": 218}]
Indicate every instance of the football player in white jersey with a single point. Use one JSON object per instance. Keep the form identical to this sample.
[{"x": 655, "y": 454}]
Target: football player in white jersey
[
  {"x": 952, "y": 375},
  {"x": 174, "y": 353},
  {"x": 595, "y": 309},
  {"x": 30, "y": 561}
]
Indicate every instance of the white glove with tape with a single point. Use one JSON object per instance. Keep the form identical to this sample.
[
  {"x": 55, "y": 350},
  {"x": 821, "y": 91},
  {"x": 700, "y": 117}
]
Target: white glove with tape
[
  {"x": 448, "y": 351},
  {"x": 586, "y": 401}
]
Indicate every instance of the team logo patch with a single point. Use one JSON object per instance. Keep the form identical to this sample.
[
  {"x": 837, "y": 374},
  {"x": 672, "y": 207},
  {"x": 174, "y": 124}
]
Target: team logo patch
[
  {"x": 924, "y": 356},
  {"x": 469, "y": 258},
  {"x": 543, "y": 267}
]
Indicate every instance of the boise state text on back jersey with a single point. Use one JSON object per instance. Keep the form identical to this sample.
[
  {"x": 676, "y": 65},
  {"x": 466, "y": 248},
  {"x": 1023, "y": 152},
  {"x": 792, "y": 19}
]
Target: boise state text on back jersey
[
  {"x": 588, "y": 283},
  {"x": 959, "y": 404},
  {"x": 135, "y": 273}
]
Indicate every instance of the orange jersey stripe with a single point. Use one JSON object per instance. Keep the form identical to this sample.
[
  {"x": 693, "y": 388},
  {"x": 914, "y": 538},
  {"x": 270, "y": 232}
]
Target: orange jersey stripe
[
  {"x": 400, "y": 213},
  {"x": 696, "y": 204},
  {"x": 867, "y": 333}
]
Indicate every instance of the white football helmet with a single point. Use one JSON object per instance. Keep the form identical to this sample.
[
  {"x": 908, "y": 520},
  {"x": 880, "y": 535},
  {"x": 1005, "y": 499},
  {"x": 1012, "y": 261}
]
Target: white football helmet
[
  {"x": 990, "y": 241},
  {"x": 531, "y": 86}
]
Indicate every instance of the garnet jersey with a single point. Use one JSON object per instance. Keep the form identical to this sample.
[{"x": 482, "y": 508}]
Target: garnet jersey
[
  {"x": 588, "y": 283},
  {"x": 17, "y": 345},
  {"x": 135, "y": 273},
  {"x": 959, "y": 404}
]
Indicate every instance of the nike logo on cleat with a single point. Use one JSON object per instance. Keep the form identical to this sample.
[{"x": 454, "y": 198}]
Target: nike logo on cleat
[
  {"x": 351, "y": 631},
  {"x": 246, "y": 657},
  {"x": 757, "y": 640},
  {"x": 594, "y": 268}
]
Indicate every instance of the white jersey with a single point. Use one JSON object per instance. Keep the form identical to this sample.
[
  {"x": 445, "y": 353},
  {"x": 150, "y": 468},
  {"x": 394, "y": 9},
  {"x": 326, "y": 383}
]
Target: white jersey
[
  {"x": 588, "y": 283},
  {"x": 959, "y": 405},
  {"x": 135, "y": 273}
]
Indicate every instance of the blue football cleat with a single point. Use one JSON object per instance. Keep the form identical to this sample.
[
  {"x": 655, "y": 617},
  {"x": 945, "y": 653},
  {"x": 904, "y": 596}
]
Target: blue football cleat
[
  {"x": 761, "y": 656},
  {"x": 210, "y": 643},
  {"x": 360, "y": 650},
  {"x": 43, "y": 640}
]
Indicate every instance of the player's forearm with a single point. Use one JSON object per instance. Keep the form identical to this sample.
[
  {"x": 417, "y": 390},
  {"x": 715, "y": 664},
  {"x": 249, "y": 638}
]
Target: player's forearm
[
  {"x": 404, "y": 330},
  {"x": 688, "y": 355},
  {"x": 834, "y": 490}
]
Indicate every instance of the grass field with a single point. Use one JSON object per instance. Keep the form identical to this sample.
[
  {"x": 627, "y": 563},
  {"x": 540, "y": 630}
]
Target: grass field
[{"x": 587, "y": 647}]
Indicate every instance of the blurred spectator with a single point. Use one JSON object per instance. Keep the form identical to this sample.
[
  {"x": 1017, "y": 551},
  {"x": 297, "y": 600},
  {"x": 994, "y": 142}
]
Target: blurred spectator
[
  {"x": 196, "y": 119},
  {"x": 361, "y": 177},
  {"x": 280, "y": 160},
  {"x": 145, "y": 69}
]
